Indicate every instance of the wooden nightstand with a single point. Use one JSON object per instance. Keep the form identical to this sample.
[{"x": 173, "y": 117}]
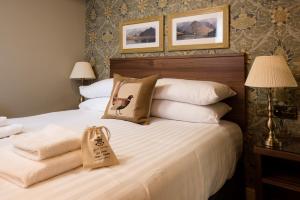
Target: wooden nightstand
[{"x": 278, "y": 171}]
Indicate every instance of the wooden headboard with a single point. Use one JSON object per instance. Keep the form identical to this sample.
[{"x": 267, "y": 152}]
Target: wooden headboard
[{"x": 228, "y": 69}]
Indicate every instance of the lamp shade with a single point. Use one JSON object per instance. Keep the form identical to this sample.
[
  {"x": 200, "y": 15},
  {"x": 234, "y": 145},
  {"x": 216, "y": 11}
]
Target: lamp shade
[
  {"x": 82, "y": 70},
  {"x": 270, "y": 72}
]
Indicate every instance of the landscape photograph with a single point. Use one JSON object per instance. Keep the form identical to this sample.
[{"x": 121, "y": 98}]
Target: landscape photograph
[
  {"x": 196, "y": 29},
  {"x": 141, "y": 35}
]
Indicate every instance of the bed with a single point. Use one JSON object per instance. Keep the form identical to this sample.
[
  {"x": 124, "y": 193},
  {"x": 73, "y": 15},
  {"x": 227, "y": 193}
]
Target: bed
[{"x": 164, "y": 160}]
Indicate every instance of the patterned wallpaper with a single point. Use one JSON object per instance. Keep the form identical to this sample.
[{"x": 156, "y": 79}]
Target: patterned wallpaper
[{"x": 257, "y": 27}]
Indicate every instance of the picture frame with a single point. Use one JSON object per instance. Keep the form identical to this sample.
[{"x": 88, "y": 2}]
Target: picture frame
[
  {"x": 142, "y": 35},
  {"x": 206, "y": 28}
]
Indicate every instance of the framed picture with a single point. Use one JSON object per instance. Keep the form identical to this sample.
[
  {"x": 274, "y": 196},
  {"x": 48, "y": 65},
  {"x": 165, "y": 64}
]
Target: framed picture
[
  {"x": 199, "y": 29},
  {"x": 142, "y": 35}
]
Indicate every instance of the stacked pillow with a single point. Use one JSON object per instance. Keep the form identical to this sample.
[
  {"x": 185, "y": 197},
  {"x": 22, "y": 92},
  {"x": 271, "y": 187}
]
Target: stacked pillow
[
  {"x": 97, "y": 95},
  {"x": 192, "y": 91},
  {"x": 98, "y": 89},
  {"x": 95, "y": 104},
  {"x": 190, "y": 100},
  {"x": 176, "y": 99}
]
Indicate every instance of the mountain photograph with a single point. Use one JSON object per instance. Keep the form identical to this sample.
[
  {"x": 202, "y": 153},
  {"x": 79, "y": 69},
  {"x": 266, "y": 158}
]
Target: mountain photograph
[
  {"x": 196, "y": 29},
  {"x": 140, "y": 35}
]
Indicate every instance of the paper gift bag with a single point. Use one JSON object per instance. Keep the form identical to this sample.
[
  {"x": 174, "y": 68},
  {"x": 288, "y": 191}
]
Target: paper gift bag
[{"x": 96, "y": 150}]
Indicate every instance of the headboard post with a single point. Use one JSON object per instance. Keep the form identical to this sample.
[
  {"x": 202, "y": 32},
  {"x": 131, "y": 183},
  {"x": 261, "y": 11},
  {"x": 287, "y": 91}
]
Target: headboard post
[{"x": 227, "y": 68}]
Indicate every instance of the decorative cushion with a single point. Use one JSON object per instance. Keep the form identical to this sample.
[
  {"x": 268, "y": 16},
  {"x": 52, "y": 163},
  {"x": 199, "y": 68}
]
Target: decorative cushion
[{"x": 131, "y": 99}]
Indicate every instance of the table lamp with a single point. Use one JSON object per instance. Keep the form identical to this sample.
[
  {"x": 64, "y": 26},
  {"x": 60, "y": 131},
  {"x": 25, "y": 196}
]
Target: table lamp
[
  {"x": 82, "y": 71},
  {"x": 270, "y": 72}
]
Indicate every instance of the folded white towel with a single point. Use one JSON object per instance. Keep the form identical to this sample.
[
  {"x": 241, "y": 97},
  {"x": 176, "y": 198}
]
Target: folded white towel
[
  {"x": 9, "y": 130},
  {"x": 3, "y": 121},
  {"x": 51, "y": 141},
  {"x": 24, "y": 172}
]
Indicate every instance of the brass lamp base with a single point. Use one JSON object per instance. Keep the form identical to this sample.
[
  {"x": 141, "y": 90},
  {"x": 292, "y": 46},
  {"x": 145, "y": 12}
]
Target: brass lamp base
[
  {"x": 272, "y": 141},
  {"x": 81, "y": 99}
]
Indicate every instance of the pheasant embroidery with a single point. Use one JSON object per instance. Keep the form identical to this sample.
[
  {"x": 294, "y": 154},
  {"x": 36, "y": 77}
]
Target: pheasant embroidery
[{"x": 119, "y": 103}]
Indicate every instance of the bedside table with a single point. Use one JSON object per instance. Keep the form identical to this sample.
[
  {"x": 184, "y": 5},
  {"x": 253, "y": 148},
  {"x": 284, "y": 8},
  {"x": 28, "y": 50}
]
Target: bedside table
[{"x": 278, "y": 170}]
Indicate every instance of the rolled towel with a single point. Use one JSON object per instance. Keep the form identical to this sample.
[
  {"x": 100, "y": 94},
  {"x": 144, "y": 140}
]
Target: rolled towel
[
  {"x": 3, "y": 121},
  {"x": 9, "y": 130},
  {"x": 51, "y": 141},
  {"x": 24, "y": 172}
]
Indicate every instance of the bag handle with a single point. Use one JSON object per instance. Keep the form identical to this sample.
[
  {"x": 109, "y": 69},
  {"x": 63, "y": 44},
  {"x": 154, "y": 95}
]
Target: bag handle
[{"x": 105, "y": 132}]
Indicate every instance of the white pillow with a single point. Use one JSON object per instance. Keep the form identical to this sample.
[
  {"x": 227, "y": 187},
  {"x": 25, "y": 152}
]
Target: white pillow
[
  {"x": 189, "y": 112},
  {"x": 191, "y": 91},
  {"x": 96, "y": 104},
  {"x": 98, "y": 89}
]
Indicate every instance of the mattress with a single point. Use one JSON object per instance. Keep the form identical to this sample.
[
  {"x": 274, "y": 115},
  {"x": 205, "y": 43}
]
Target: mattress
[{"x": 164, "y": 160}]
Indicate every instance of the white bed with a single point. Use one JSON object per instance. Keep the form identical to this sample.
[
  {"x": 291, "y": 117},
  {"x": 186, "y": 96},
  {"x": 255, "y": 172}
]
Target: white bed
[{"x": 164, "y": 160}]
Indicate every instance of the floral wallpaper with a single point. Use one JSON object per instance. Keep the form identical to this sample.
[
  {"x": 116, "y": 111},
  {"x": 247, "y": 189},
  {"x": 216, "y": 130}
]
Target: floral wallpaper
[{"x": 257, "y": 27}]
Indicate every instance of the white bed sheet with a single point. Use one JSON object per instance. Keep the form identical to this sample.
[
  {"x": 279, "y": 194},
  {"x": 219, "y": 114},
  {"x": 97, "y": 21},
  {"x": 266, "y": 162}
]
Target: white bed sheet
[{"x": 166, "y": 160}]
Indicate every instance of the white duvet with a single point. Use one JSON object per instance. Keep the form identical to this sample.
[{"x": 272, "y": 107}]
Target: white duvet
[{"x": 166, "y": 160}]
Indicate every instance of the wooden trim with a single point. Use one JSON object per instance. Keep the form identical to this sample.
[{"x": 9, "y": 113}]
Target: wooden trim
[
  {"x": 277, "y": 154},
  {"x": 282, "y": 182},
  {"x": 226, "y": 68}
]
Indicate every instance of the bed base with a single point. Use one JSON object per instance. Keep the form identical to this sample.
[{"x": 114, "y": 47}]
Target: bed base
[{"x": 234, "y": 188}]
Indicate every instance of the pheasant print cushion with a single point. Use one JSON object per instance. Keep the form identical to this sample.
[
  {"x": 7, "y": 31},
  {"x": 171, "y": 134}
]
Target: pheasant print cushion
[{"x": 131, "y": 99}]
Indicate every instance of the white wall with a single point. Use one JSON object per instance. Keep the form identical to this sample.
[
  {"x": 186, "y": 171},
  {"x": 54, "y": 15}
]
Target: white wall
[{"x": 40, "y": 40}]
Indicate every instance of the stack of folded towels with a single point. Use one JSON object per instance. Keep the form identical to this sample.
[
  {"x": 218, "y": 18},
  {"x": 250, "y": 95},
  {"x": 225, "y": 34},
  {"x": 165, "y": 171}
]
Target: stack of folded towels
[
  {"x": 40, "y": 155},
  {"x": 9, "y": 129}
]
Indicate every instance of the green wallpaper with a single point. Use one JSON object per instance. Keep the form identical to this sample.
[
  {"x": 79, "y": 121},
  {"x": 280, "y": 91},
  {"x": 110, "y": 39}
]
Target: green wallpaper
[{"x": 258, "y": 27}]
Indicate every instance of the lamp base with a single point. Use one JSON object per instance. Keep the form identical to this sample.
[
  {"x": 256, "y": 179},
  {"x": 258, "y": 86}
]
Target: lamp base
[
  {"x": 272, "y": 141},
  {"x": 81, "y": 99}
]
